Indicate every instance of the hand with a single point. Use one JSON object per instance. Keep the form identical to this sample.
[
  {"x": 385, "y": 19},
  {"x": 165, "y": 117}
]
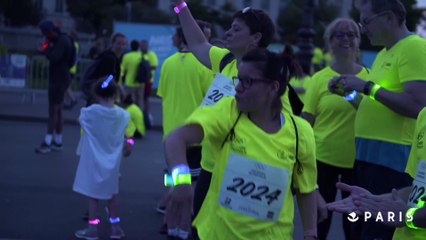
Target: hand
[
  {"x": 347, "y": 205},
  {"x": 335, "y": 86},
  {"x": 351, "y": 83},
  {"x": 179, "y": 209},
  {"x": 322, "y": 208},
  {"x": 384, "y": 205}
]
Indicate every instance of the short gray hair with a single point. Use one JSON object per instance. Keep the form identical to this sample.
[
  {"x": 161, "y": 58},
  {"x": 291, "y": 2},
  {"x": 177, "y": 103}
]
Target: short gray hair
[{"x": 331, "y": 28}]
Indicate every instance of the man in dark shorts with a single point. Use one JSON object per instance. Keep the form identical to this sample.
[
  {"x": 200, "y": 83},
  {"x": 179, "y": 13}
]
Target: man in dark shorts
[{"x": 59, "y": 51}]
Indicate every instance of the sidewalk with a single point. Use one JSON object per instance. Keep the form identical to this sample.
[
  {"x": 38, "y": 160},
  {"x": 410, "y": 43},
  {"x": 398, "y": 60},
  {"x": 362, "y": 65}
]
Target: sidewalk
[{"x": 18, "y": 106}]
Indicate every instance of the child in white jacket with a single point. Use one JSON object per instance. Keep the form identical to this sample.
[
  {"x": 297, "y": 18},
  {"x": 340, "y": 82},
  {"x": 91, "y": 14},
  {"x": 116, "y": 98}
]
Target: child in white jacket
[{"x": 101, "y": 148}]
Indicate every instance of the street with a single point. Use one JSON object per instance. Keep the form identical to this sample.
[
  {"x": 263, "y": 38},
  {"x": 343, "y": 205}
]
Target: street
[{"x": 36, "y": 197}]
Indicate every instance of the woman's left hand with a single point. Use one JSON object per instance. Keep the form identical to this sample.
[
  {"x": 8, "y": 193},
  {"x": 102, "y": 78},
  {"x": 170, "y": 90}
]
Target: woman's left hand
[
  {"x": 351, "y": 83},
  {"x": 179, "y": 210}
]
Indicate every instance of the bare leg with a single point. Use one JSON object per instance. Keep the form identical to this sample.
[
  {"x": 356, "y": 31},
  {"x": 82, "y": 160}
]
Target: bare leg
[
  {"x": 93, "y": 208},
  {"x": 59, "y": 124},
  {"x": 113, "y": 206}
]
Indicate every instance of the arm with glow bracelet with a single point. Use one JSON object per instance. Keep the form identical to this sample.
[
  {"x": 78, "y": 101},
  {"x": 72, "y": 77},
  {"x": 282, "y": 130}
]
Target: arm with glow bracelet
[
  {"x": 196, "y": 40},
  {"x": 407, "y": 103},
  {"x": 418, "y": 217},
  {"x": 179, "y": 209}
]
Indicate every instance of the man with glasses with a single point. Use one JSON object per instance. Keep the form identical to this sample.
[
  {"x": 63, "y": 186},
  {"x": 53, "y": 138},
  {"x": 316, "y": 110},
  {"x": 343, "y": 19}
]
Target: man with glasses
[{"x": 394, "y": 95}]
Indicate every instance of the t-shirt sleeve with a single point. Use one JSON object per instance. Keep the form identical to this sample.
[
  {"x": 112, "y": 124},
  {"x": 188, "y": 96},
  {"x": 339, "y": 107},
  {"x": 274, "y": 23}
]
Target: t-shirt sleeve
[
  {"x": 415, "y": 157},
  {"x": 307, "y": 179},
  {"x": 160, "y": 90},
  {"x": 215, "y": 120},
  {"x": 312, "y": 96},
  {"x": 412, "y": 64},
  {"x": 216, "y": 56}
]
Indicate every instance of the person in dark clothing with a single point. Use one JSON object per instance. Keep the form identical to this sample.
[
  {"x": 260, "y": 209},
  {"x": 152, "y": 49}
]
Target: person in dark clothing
[
  {"x": 108, "y": 62},
  {"x": 60, "y": 51}
]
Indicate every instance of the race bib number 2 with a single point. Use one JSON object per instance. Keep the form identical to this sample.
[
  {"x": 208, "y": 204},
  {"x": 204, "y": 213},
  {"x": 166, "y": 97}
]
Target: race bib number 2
[
  {"x": 222, "y": 86},
  {"x": 254, "y": 189},
  {"x": 419, "y": 185}
]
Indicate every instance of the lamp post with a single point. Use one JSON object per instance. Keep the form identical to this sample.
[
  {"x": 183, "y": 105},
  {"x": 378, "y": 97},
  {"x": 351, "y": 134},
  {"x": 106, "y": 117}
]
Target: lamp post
[{"x": 306, "y": 34}]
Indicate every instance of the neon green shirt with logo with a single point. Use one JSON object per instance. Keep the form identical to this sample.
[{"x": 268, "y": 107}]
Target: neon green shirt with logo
[
  {"x": 334, "y": 123},
  {"x": 129, "y": 69},
  {"x": 230, "y": 71},
  {"x": 152, "y": 58},
  {"x": 183, "y": 83},
  {"x": 404, "y": 62},
  {"x": 250, "y": 192},
  {"x": 417, "y": 154}
]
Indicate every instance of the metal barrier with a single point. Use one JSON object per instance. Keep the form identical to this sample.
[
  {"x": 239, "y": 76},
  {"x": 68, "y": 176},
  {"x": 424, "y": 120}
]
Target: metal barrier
[{"x": 37, "y": 76}]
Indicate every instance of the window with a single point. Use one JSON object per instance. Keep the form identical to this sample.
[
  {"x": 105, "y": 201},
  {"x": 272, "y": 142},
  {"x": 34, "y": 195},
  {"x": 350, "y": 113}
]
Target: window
[{"x": 59, "y": 6}]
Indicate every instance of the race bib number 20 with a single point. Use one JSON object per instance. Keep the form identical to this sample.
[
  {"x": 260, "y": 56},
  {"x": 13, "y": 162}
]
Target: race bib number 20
[
  {"x": 254, "y": 189},
  {"x": 222, "y": 86},
  {"x": 419, "y": 185}
]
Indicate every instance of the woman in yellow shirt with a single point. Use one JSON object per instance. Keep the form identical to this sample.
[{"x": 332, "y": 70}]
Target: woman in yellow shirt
[
  {"x": 263, "y": 154},
  {"x": 333, "y": 117}
]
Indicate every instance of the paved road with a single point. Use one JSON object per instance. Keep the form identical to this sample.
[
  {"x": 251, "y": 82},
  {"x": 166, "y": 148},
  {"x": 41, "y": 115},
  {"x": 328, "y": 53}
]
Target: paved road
[{"x": 36, "y": 200}]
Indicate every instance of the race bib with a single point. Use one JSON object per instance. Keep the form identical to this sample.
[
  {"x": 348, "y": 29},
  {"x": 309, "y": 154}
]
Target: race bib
[
  {"x": 221, "y": 86},
  {"x": 254, "y": 189},
  {"x": 419, "y": 185}
]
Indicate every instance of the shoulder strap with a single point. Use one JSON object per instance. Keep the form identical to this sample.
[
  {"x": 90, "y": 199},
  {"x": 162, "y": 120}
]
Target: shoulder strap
[
  {"x": 295, "y": 102},
  {"x": 231, "y": 133},
  {"x": 298, "y": 164},
  {"x": 228, "y": 58}
]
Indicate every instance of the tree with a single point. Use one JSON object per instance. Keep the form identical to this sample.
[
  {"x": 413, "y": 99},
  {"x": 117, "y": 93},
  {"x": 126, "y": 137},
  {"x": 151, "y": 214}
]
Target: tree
[
  {"x": 19, "y": 13},
  {"x": 291, "y": 16}
]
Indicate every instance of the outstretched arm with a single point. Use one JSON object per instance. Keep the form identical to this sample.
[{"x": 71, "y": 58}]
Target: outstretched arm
[
  {"x": 179, "y": 208},
  {"x": 196, "y": 41},
  {"x": 307, "y": 203}
]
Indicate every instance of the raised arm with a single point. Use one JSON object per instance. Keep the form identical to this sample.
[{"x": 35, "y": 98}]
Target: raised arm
[{"x": 197, "y": 42}]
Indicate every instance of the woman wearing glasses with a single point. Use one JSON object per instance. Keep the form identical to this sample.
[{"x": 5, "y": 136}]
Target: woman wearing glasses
[
  {"x": 332, "y": 116},
  {"x": 251, "y": 28},
  {"x": 264, "y": 154}
]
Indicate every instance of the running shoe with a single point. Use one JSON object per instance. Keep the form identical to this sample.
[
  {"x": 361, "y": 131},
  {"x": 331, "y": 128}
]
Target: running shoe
[
  {"x": 116, "y": 232},
  {"x": 161, "y": 210},
  {"x": 43, "y": 148},
  {"x": 90, "y": 233},
  {"x": 56, "y": 146}
]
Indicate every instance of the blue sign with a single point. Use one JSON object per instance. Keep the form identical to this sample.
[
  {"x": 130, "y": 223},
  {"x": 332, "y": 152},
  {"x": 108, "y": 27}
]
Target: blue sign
[
  {"x": 158, "y": 36},
  {"x": 12, "y": 70}
]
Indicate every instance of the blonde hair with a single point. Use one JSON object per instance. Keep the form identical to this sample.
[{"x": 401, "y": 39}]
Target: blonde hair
[{"x": 331, "y": 28}]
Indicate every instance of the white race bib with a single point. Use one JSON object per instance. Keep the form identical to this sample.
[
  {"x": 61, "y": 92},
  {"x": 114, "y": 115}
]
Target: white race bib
[
  {"x": 254, "y": 189},
  {"x": 419, "y": 185},
  {"x": 221, "y": 86}
]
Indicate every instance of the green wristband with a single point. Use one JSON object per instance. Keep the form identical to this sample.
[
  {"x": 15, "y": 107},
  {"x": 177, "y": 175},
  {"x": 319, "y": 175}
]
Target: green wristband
[
  {"x": 409, "y": 220},
  {"x": 374, "y": 90},
  {"x": 183, "y": 179}
]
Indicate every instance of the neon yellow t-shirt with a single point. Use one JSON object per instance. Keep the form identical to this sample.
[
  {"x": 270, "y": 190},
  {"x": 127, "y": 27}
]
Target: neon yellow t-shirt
[
  {"x": 300, "y": 83},
  {"x": 73, "y": 69},
  {"x": 230, "y": 70},
  {"x": 334, "y": 124},
  {"x": 417, "y": 153},
  {"x": 136, "y": 118},
  {"x": 152, "y": 58},
  {"x": 404, "y": 62},
  {"x": 264, "y": 152},
  {"x": 318, "y": 56},
  {"x": 129, "y": 69},
  {"x": 183, "y": 83}
]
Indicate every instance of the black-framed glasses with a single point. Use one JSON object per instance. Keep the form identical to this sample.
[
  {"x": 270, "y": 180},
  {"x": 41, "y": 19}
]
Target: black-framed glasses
[
  {"x": 364, "y": 22},
  {"x": 247, "y": 82},
  {"x": 341, "y": 35}
]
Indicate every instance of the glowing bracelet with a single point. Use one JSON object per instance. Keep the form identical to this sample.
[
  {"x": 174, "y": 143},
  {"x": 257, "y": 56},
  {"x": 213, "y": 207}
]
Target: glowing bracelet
[
  {"x": 351, "y": 97},
  {"x": 410, "y": 214},
  {"x": 114, "y": 220},
  {"x": 181, "y": 175},
  {"x": 130, "y": 141},
  {"x": 178, "y": 8},
  {"x": 374, "y": 90},
  {"x": 168, "y": 180},
  {"x": 94, "y": 221},
  {"x": 421, "y": 203}
]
